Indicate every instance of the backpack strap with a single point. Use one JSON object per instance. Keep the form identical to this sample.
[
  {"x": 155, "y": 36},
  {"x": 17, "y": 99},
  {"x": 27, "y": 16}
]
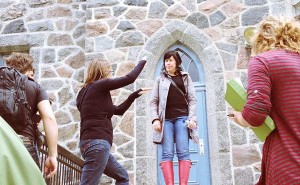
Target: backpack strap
[{"x": 22, "y": 95}]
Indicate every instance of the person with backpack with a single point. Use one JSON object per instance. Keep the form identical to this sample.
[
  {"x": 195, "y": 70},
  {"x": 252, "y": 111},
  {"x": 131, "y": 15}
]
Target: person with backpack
[{"x": 20, "y": 99}]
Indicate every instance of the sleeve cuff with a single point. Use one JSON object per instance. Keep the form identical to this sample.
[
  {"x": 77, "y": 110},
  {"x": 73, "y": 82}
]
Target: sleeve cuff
[{"x": 154, "y": 120}]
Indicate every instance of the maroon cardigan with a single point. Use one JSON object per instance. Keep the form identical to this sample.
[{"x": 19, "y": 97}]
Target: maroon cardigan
[{"x": 274, "y": 89}]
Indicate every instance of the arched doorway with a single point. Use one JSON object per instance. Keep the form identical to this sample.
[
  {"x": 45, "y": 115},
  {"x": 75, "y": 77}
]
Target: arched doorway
[{"x": 200, "y": 172}]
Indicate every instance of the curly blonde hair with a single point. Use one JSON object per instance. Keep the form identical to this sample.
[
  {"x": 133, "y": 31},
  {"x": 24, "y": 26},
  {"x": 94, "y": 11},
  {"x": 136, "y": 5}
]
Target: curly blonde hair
[
  {"x": 22, "y": 62},
  {"x": 97, "y": 70},
  {"x": 276, "y": 33}
]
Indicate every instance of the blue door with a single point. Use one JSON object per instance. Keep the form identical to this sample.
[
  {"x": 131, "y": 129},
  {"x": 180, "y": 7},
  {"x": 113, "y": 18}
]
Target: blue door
[
  {"x": 1, "y": 61},
  {"x": 200, "y": 171}
]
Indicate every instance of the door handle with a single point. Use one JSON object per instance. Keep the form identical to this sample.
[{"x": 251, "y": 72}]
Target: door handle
[{"x": 201, "y": 146}]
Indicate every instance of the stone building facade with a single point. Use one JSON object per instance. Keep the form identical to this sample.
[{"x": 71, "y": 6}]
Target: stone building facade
[{"x": 64, "y": 35}]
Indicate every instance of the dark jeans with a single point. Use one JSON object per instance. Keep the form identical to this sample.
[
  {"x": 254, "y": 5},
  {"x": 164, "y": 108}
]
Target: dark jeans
[
  {"x": 32, "y": 149},
  {"x": 98, "y": 160}
]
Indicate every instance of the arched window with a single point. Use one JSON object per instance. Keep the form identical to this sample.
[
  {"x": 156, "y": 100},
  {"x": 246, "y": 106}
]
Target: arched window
[
  {"x": 296, "y": 4},
  {"x": 188, "y": 65}
]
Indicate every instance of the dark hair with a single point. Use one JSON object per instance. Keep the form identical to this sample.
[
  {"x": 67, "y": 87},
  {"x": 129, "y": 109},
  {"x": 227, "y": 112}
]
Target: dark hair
[{"x": 177, "y": 58}]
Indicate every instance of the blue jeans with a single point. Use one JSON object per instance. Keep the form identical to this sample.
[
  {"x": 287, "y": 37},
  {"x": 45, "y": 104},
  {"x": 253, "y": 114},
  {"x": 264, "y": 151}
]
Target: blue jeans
[
  {"x": 175, "y": 131},
  {"x": 98, "y": 160}
]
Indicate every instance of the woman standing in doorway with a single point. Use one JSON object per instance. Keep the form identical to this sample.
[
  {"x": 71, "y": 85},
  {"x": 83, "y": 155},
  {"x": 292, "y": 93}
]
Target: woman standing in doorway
[
  {"x": 173, "y": 112},
  {"x": 96, "y": 108}
]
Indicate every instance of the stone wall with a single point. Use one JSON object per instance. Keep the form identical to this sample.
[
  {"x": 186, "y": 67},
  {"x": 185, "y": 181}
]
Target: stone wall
[
  {"x": 64, "y": 35},
  {"x": 54, "y": 34}
]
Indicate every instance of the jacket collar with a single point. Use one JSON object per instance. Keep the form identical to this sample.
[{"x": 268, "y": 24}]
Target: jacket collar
[{"x": 183, "y": 73}]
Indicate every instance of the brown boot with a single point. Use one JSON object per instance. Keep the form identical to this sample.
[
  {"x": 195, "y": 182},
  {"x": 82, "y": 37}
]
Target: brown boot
[
  {"x": 184, "y": 171},
  {"x": 168, "y": 172}
]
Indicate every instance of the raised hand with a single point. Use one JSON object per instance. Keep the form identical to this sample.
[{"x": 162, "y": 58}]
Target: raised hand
[{"x": 144, "y": 58}]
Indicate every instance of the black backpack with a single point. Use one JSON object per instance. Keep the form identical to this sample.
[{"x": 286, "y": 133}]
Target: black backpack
[{"x": 14, "y": 107}]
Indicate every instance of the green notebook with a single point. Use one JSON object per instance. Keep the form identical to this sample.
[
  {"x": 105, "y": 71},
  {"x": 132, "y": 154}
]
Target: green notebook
[
  {"x": 236, "y": 96},
  {"x": 16, "y": 164}
]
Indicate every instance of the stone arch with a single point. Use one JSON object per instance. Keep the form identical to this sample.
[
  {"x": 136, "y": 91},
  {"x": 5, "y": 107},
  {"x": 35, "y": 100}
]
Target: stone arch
[
  {"x": 284, "y": 8},
  {"x": 206, "y": 51}
]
